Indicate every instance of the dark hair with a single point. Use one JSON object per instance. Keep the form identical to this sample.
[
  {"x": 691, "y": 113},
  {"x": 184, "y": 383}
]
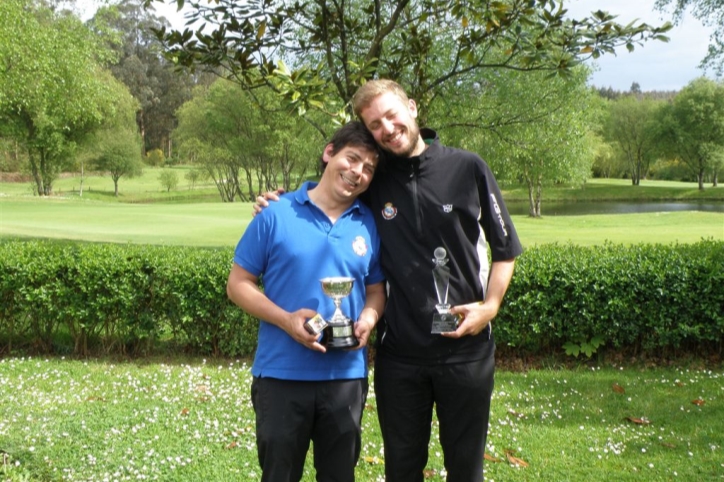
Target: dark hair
[{"x": 355, "y": 134}]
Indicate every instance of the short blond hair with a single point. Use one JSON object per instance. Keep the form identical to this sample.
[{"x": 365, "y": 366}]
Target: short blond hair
[{"x": 373, "y": 88}]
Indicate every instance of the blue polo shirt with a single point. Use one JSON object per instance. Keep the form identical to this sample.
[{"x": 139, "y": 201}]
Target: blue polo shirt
[{"x": 291, "y": 245}]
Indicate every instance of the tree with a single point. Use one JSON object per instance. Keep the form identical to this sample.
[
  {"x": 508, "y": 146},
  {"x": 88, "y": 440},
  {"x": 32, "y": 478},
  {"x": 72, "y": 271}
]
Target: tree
[
  {"x": 193, "y": 176},
  {"x": 119, "y": 155},
  {"x": 168, "y": 179},
  {"x": 53, "y": 92},
  {"x": 222, "y": 129},
  {"x": 630, "y": 127},
  {"x": 692, "y": 128},
  {"x": 529, "y": 127},
  {"x": 710, "y": 13},
  {"x": 332, "y": 47},
  {"x": 126, "y": 29}
]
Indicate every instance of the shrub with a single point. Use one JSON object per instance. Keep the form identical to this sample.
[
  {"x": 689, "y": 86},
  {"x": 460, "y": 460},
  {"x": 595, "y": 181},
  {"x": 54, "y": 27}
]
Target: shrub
[
  {"x": 89, "y": 298},
  {"x": 646, "y": 298},
  {"x": 155, "y": 158},
  {"x": 119, "y": 299}
]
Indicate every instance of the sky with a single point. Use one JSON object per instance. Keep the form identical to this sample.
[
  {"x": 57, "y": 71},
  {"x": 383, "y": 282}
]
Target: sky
[{"x": 654, "y": 66}]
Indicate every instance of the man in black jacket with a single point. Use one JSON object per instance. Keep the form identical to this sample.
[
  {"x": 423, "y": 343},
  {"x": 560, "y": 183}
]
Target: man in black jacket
[{"x": 429, "y": 197}]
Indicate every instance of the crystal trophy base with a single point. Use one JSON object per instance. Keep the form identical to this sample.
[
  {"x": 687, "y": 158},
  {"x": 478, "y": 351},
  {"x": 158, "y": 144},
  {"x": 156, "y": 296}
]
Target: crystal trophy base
[{"x": 444, "y": 323}]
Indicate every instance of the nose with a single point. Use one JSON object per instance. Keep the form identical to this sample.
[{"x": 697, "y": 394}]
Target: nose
[
  {"x": 357, "y": 168},
  {"x": 387, "y": 126}
]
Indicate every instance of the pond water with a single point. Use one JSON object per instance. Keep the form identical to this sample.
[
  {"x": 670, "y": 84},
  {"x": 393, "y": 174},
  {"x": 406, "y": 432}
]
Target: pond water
[{"x": 611, "y": 207}]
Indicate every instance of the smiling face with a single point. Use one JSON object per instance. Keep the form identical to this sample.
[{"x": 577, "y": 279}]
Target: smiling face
[
  {"x": 349, "y": 171},
  {"x": 391, "y": 120}
]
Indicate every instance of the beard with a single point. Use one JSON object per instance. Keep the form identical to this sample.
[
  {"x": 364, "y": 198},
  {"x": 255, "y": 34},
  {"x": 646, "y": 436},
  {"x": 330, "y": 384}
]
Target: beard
[{"x": 413, "y": 135}]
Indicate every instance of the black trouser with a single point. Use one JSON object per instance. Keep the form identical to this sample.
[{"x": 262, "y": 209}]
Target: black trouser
[
  {"x": 291, "y": 413},
  {"x": 461, "y": 395}
]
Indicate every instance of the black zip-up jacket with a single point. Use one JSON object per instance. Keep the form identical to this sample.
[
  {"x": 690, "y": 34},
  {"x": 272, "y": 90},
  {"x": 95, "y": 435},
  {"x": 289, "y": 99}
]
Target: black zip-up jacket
[{"x": 446, "y": 198}]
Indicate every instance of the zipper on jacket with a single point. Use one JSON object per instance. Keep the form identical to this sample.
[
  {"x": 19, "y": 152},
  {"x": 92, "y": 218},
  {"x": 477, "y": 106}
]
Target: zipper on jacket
[{"x": 415, "y": 167}]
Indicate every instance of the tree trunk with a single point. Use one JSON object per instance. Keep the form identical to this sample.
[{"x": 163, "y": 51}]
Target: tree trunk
[
  {"x": 35, "y": 172},
  {"x": 142, "y": 131},
  {"x": 533, "y": 197},
  {"x": 80, "y": 190}
]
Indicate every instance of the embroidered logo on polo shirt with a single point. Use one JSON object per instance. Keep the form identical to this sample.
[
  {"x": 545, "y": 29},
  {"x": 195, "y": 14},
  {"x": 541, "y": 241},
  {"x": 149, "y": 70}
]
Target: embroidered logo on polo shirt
[
  {"x": 447, "y": 208},
  {"x": 359, "y": 245},
  {"x": 389, "y": 211}
]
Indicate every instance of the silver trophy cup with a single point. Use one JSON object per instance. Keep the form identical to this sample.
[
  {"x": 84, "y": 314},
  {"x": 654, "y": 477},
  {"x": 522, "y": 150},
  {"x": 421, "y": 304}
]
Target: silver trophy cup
[{"x": 340, "y": 330}]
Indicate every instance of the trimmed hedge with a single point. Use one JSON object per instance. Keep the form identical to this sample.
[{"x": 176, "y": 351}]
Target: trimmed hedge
[
  {"x": 101, "y": 298},
  {"x": 119, "y": 299},
  {"x": 652, "y": 299}
]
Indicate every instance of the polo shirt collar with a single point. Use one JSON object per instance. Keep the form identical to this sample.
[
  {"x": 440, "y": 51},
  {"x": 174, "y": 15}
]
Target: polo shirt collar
[{"x": 301, "y": 195}]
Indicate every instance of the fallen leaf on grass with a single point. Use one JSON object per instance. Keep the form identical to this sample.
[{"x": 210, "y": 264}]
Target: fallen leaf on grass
[
  {"x": 490, "y": 458},
  {"x": 639, "y": 421},
  {"x": 515, "y": 460},
  {"x": 232, "y": 445},
  {"x": 428, "y": 473},
  {"x": 184, "y": 411},
  {"x": 373, "y": 460},
  {"x": 618, "y": 388},
  {"x": 668, "y": 445},
  {"x": 516, "y": 414},
  {"x": 699, "y": 402}
]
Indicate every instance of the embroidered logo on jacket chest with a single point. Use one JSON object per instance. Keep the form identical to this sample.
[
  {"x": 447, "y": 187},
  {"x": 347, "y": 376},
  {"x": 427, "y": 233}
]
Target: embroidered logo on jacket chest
[
  {"x": 447, "y": 208},
  {"x": 389, "y": 211}
]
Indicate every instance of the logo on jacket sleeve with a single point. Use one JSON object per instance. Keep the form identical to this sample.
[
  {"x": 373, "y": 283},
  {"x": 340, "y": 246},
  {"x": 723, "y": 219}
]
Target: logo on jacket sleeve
[
  {"x": 359, "y": 246},
  {"x": 389, "y": 211}
]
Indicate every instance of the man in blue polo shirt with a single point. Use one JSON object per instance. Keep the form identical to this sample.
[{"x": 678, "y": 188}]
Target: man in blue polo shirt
[{"x": 301, "y": 391}]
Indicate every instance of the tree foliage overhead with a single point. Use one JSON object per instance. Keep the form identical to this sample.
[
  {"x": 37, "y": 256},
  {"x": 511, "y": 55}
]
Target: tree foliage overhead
[
  {"x": 711, "y": 14},
  {"x": 331, "y": 47}
]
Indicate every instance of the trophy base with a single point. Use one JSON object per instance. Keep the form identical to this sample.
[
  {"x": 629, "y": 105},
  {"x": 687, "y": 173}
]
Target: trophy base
[
  {"x": 338, "y": 337},
  {"x": 444, "y": 323}
]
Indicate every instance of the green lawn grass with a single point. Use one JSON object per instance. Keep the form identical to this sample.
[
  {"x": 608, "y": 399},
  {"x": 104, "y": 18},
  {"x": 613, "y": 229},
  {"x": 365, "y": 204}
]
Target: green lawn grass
[
  {"x": 145, "y": 213},
  {"x": 147, "y": 188},
  {"x": 221, "y": 224},
  {"x": 192, "y": 420}
]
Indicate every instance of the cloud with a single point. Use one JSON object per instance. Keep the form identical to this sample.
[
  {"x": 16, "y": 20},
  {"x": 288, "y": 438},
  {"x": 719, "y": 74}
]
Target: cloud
[{"x": 655, "y": 65}]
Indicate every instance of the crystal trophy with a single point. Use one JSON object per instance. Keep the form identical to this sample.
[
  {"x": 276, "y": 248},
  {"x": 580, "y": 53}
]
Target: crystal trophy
[{"x": 443, "y": 321}]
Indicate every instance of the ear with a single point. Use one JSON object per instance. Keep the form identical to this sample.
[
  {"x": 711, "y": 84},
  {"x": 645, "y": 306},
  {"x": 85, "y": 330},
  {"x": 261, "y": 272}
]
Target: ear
[
  {"x": 327, "y": 154},
  {"x": 412, "y": 107}
]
